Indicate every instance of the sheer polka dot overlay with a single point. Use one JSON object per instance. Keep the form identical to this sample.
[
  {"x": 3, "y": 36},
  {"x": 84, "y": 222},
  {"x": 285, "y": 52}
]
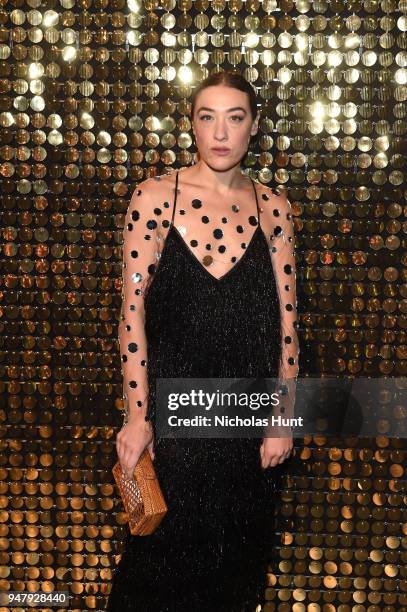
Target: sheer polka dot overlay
[{"x": 216, "y": 231}]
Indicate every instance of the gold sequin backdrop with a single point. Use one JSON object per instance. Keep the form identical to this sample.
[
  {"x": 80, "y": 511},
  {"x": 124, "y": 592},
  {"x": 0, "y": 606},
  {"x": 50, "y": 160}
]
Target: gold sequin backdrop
[{"x": 95, "y": 98}]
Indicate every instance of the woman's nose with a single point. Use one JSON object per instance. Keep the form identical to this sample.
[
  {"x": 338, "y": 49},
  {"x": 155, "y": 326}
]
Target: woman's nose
[{"x": 220, "y": 131}]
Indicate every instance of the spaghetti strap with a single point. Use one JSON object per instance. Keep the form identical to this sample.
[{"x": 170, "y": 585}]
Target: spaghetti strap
[
  {"x": 257, "y": 201},
  {"x": 175, "y": 197}
]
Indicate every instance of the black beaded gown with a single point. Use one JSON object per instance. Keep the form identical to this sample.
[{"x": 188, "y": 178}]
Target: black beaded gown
[{"x": 211, "y": 551}]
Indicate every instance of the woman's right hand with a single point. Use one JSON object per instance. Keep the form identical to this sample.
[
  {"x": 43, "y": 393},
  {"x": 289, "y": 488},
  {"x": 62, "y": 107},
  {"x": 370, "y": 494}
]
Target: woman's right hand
[{"x": 131, "y": 441}]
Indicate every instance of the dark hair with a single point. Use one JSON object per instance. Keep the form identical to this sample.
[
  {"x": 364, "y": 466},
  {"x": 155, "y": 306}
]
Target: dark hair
[{"x": 230, "y": 79}]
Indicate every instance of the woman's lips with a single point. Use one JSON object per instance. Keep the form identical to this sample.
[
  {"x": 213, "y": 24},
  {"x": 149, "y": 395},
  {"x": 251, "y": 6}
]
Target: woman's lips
[{"x": 221, "y": 151}]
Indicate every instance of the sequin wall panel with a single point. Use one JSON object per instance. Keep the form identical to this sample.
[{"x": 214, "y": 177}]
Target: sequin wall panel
[{"x": 95, "y": 98}]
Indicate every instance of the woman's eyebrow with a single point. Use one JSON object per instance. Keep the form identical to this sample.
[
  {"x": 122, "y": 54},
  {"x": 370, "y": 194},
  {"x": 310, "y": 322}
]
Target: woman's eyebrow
[{"x": 228, "y": 110}]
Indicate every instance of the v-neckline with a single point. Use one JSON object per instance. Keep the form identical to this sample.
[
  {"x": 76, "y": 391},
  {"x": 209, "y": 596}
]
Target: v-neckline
[{"x": 216, "y": 279}]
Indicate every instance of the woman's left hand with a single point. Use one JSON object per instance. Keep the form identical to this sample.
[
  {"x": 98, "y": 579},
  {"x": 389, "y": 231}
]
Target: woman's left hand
[{"x": 275, "y": 450}]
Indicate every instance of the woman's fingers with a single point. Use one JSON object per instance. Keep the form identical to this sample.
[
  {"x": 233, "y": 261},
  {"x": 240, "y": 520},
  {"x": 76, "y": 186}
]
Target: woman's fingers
[
  {"x": 262, "y": 461},
  {"x": 131, "y": 440},
  {"x": 127, "y": 457},
  {"x": 151, "y": 450},
  {"x": 130, "y": 462},
  {"x": 269, "y": 458}
]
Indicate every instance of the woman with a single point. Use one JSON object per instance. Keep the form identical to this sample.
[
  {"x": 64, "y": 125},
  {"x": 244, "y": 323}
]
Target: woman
[{"x": 209, "y": 291}]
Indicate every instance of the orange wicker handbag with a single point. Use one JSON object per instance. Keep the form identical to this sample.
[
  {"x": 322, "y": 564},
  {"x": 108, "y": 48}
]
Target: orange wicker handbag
[{"x": 142, "y": 497}]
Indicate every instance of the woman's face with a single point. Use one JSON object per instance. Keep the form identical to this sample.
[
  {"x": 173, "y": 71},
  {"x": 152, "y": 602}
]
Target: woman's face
[{"x": 223, "y": 125}]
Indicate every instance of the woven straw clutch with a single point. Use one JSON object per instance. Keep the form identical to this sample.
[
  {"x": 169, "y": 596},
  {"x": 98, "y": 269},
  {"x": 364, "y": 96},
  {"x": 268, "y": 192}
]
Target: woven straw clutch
[{"x": 142, "y": 497}]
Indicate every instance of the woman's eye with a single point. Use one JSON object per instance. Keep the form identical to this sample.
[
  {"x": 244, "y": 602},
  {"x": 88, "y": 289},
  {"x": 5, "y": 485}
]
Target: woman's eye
[{"x": 238, "y": 117}]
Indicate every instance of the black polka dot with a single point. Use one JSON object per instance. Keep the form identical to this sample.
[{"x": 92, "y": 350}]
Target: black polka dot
[
  {"x": 196, "y": 203},
  {"x": 218, "y": 233},
  {"x": 133, "y": 347}
]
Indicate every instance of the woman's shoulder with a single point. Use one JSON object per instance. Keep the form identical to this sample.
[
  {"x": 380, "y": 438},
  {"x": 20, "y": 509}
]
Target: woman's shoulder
[
  {"x": 271, "y": 199},
  {"x": 151, "y": 202},
  {"x": 274, "y": 206},
  {"x": 156, "y": 185},
  {"x": 268, "y": 193}
]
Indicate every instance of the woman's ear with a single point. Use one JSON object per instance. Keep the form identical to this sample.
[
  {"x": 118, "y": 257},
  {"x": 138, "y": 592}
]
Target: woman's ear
[{"x": 255, "y": 125}]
